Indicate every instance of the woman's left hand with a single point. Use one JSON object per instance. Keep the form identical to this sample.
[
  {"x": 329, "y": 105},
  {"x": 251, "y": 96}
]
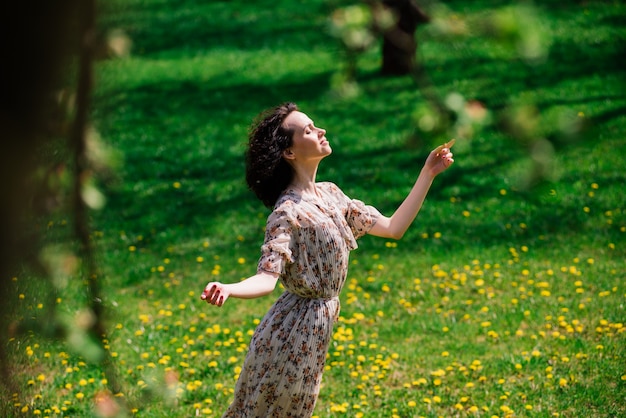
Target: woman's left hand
[{"x": 440, "y": 159}]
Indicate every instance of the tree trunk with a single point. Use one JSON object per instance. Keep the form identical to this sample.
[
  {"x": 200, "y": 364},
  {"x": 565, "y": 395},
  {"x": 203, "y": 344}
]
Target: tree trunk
[{"x": 399, "y": 43}]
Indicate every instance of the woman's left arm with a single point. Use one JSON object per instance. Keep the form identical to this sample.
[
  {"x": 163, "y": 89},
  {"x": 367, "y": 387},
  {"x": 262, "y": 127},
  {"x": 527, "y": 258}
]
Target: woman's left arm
[{"x": 395, "y": 226}]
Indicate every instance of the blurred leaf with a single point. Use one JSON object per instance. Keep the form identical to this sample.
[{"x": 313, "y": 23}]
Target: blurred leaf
[
  {"x": 60, "y": 263},
  {"x": 455, "y": 102},
  {"x": 522, "y": 29},
  {"x": 106, "y": 406},
  {"x": 119, "y": 43},
  {"x": 353, "y": 26},
  {"x": 383, "y": 17},
  {"x": 343, "y": 86},
  {"x": 92, "y": 196},
  {"x": 428, "y": 120},
  {"x": 471, "y": 118},
  {"x": 521, "y": 122},
  {"x": 79, "y": 337},
  {"x": 570, "y": 125},
  {"x": 538, "y": 165},
  {"x": 101, "y": 157},
  {"x": 446, "y": 23}
]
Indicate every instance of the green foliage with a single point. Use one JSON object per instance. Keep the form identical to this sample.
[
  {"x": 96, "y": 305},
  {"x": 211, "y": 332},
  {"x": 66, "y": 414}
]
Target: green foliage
[{"x": 505, "y": 298}]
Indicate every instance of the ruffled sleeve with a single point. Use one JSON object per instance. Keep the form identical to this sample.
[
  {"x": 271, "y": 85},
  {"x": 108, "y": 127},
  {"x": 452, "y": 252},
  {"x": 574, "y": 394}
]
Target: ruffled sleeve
[
  {"x": 359, "y": 216},
  {"x": 276, "y": 251}
]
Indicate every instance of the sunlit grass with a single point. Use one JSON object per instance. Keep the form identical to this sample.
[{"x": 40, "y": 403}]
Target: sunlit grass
[{"x": 505, "y": 337}]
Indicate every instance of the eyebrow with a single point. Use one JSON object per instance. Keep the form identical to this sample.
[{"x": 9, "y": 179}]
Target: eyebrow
[{"x": 308, "y": 125}]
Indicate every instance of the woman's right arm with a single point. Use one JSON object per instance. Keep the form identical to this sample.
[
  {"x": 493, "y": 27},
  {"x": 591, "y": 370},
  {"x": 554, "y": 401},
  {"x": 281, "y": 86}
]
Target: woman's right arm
[{"x": 261, "y": 284}]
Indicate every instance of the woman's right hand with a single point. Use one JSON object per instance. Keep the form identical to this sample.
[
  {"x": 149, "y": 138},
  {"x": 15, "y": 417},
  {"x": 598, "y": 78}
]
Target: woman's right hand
[{"x": 215, "y": 293}]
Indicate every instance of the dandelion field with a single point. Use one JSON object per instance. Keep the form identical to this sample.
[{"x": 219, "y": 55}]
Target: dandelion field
[{"x": 500, "y": 301}]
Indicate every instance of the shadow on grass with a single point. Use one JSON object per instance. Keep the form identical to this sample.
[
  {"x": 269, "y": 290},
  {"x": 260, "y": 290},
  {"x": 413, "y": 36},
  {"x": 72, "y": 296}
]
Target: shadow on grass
[
  {"x": 182, "y": 132},
  {"x": 195, "y": 133},
  {"x": 193, "y": 26}
]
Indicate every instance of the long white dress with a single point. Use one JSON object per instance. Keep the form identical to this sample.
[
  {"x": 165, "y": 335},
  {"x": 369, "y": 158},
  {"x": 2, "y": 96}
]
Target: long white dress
[{"x": 307, "y": 241}]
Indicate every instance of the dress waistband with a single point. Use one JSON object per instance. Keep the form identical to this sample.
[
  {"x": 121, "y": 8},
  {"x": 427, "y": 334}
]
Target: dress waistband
[
  {"x": 322, "y": 298},
  {"x": 332, "y": 303}
]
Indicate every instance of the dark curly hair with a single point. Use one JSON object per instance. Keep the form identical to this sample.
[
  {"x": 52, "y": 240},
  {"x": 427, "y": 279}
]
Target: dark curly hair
[{"x": 267, "y": 172}]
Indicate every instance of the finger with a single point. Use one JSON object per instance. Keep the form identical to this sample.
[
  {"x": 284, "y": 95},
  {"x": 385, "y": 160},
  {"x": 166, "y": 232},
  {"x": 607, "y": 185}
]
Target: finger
[
  {"x": 208, "y": 290},
  {"x": 440, "y": 148},
  {"x": 444, "y": 156},
  {"x": 447, "y": 145}
]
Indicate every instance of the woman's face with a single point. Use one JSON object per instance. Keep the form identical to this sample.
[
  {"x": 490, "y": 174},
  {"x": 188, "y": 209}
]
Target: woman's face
[{"x": 309, "y": 141}]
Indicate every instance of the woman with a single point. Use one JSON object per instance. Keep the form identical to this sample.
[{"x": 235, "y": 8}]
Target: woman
[{"x": 309, "y": 234}]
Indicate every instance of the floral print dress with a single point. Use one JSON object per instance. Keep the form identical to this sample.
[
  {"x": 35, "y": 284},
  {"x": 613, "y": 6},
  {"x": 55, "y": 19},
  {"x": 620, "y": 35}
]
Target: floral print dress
[{"x": 307, "y": 242}]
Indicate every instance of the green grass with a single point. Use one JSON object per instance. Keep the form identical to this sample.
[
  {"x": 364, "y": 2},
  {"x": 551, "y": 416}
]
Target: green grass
[{"x": 500, "y": 300}]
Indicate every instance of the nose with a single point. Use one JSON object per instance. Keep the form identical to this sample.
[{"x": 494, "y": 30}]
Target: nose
[{"x": 321, "y": 132}]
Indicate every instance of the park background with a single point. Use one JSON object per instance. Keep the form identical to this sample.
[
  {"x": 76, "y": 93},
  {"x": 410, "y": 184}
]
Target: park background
[{"x": 505, "y": 298}]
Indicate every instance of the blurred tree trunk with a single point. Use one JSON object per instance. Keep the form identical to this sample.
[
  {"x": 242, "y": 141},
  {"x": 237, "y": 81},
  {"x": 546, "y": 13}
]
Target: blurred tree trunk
[
  {"x": 399, "y": 43},
  {"x": 37, "y": 38},
  {"x": 50, "y": 48}
]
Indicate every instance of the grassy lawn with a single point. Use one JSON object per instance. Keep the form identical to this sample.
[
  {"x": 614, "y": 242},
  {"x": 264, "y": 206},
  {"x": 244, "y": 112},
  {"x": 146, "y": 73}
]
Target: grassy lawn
[{"x": 501, "y": 300}]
